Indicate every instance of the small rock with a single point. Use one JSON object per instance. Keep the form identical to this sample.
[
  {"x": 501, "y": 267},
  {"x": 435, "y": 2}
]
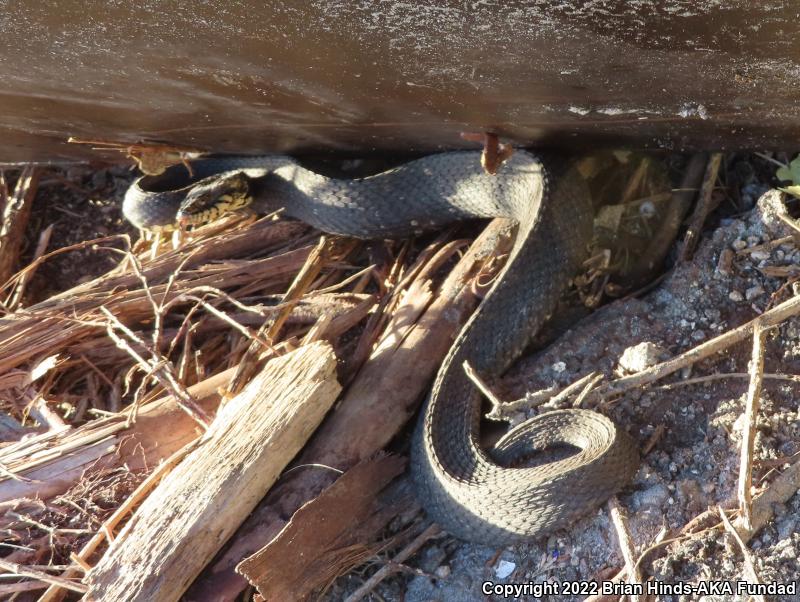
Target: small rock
[
  {"x": 760, "y": 255},
  {"x": 652, "y": 498},
  {"x": 787, "y": 553},
  {"x": 754, "y": 292},
  {"x": 99, "y": 179},
  {"x": 559, "y": 367},
  {"x": 443, "y": 571},
  {"x": 504, "y": 568},
  {"x": 786, "y": 527},
  {"x": 725, "y": 263},
  {"x": 640, "y": 357},
  {"x": 739, "y": 244},
  {"x": 736, "y": 296}
]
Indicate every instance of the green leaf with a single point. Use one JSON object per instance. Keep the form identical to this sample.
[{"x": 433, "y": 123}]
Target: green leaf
[
  {"x": 791, "y": 173},
  {"x": 793, "y": 190}
]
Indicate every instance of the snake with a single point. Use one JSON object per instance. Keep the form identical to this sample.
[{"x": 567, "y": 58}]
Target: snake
[{"x": 496, "y": 495}]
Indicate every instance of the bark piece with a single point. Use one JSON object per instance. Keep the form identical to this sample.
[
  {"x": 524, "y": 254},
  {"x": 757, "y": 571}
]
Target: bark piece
[
  {"x": 325, "y": 534},
  {"x": 196, "y": 508}
]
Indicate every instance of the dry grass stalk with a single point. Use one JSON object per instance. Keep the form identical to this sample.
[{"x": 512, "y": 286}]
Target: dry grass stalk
[
  {"x": 723, "y": 375},
  {"x": 23, "y": 571},
  {"x": 19, "y": 291},
  {"x": 159, "y": 368}
]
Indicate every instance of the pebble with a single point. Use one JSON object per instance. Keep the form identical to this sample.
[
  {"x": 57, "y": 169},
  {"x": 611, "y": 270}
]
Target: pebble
[
  {"x": 739, "y": 244},
  {"x": 760, "y": 255},
  {"x": 647, "y": 210},
  {"x": 786, "y": 526},
  {"x": 443, "y": 571},
  {"x": 559, "y": 367},
  {"x": 504, "y": 568},
  {"x": 640, "y": 357},
  {"x": 652, "y": 498},
  {"x": 725, "y": 263},
  {"x": 754, "y": 292},
  {"x": 736, "y": 296}
]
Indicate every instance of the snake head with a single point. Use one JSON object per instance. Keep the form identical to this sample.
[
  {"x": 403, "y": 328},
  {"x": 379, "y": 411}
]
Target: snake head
[{"x": 213, "y": 197}]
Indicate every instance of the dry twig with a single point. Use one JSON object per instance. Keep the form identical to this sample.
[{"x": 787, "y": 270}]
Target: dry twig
[
  {"x": 160, "y": 368},
  {"x": 431, "y": 532},
  {"x": 768, "y": 319},
  {"x": 750, "y": 573},
  {"x": 749, "y": 428},
  {"x": 705, "y": 205},
  {"x": 625, "y": 540}
]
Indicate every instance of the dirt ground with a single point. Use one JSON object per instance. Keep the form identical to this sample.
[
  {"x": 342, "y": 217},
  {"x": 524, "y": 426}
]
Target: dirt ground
[{"x": 81, "y": 203}]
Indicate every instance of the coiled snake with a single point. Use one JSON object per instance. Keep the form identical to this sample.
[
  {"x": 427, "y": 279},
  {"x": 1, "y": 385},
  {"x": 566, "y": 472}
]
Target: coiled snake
[{"x": 488, "y": 496}]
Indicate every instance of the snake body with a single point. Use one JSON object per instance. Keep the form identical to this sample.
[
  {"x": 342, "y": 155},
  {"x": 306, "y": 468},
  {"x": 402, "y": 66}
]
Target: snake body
[{"x": 487, "y": 496}]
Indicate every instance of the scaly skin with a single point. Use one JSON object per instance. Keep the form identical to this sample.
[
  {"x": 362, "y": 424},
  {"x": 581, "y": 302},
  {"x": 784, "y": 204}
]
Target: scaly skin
[{"x": 485, "y": 496}]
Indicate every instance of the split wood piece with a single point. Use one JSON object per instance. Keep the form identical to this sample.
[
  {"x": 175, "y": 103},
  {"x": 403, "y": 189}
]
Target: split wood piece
[
  {"x": 770, "y": 318},
  {"x": 197, "y": 507},
  {"x": 49, "y": 464},
  {"x": 752, "y": 405},
  {"x": 14, "y": 217},
  {"x": 327, "y": 534},
  {"x": 379, "y": 402},
  {"x": 706, "y": 203}
]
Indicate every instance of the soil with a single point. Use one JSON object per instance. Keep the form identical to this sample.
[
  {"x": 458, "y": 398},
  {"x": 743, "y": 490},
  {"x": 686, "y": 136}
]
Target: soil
[{"x": 81, "y": 203}]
